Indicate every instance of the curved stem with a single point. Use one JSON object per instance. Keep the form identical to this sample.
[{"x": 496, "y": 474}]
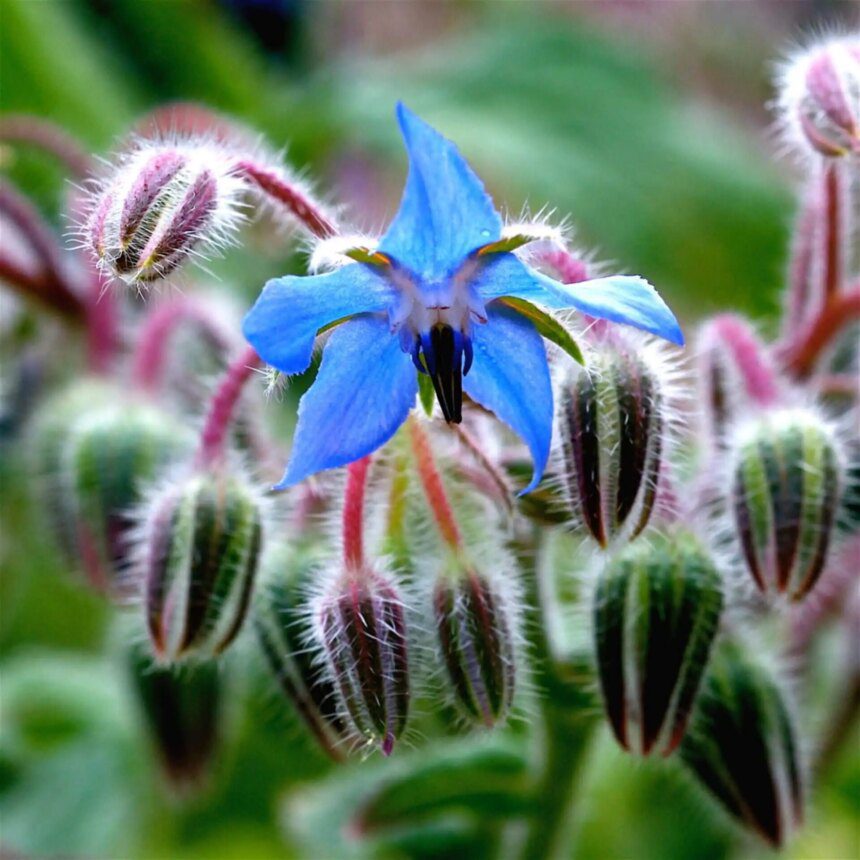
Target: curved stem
[
  {"x": 434, "y": 489},
  {"x": 289, "y": 196},
  {"x": 223, "y": 406},
  {"x": 353, "y": 514},
  {"x": 157, "y": 329},
  {"x": 21, "y": 128}
]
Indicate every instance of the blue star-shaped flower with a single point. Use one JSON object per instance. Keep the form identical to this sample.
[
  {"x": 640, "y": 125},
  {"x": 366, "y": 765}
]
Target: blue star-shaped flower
[{"x": 429, "y": 299}]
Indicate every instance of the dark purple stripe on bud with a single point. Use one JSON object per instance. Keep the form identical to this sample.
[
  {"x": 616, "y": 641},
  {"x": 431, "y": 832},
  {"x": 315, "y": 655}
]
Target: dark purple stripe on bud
[{"x": 476, "y": 639}]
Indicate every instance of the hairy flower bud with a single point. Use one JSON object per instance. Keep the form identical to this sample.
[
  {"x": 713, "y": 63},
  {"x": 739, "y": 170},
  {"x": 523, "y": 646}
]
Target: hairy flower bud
[
  {"x": 197, "y": 563},
  {"x": 360, "y": 622},
  {"x": 280, "y": 615},
  {"x": 787, "y": 479},
  {"x": 161, "y": 204},
  {"x": 98, "y": 449},
  {"x": 475, "y": 633},
  {"x": 820, "y": 96},
  {"x": 742, "y": 745},
  {"x": 182, "y": 710},
  {"x": 612, "y": 425},
  {"x": 656, "y": 611}
]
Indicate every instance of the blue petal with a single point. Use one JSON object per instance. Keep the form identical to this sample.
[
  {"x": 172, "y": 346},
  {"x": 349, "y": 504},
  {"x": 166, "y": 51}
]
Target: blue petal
[
  {"x": 445, "y": 212},
  {"x": 363, "y": 392},
  {"x": 290, "y": 311},
  {"x": 622, "y": 299},
  {"x": 510, "y": 377}
]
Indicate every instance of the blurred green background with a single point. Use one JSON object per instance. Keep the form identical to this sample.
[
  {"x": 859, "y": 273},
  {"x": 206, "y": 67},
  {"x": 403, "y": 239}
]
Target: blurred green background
[{"x": 643, "y": 121}]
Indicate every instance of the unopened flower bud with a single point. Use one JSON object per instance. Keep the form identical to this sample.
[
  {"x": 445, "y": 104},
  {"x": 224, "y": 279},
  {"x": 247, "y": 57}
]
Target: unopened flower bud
[
  {"x": 656, "y": 611},
  {"x": 182, "y": 711},
  {"x": 613, "y": 424},
  {"x": 742, "y": 745},
  {"x": 163, "y": 203},
  {"x": 475, "y": 632},
  {"x": 200, "y": 547},
  {"x": 786, "y": 485},
  {"x": 821, "y": 97},
  {"x": 280, "y": 616},
  {"x": 98, "y": 463},
  {"x": 360, "y": 623}
]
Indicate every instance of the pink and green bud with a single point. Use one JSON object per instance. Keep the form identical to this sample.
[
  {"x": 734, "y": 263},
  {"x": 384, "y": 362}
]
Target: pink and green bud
[
  {"x": 656, "y": 612},
  {"x": 786, "y": 485},
  {"x": 280, "y": 619},
  {"x": 476, "y": 636},
  {"x": 360, "y": 623},
  {"x": 742, "y": 746},
  {"x": 613, "y": 428},
  {"x": 164, "y": 203},
  {"x": 182, "y": 712},
  {"x": 821, "y": 97},
  {"x": 198, "y": 563}
]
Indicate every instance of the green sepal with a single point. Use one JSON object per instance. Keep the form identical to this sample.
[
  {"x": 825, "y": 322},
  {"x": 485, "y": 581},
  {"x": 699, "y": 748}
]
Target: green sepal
[
  {"x": 547, "y": 326},
  {"x": 426, "y": 394}
]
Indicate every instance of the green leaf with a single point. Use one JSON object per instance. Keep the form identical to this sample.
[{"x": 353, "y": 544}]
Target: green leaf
[
  {"x": 547, "y": 326},
  {"x": 426, "y": 393}
]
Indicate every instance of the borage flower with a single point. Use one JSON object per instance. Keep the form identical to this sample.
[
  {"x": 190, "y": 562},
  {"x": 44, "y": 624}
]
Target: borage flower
[{"x": 433, "y": 291}]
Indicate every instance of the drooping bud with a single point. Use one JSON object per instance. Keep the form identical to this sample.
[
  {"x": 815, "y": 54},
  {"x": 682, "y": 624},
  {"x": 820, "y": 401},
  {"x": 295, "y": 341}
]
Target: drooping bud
[
  {"x": 163, "y": 203},
  {"x": 360, "y": 622},
  {"x": 786, "y": 485},
  {"x": 476, "y": 635},
  {"x": 734, "y": 373},
  {"x": 280, "y": 616},
  {"x": 820, "y": 97},
  {"x": 742, "y": 745},
  {"x": 613, "y": 427},
  {"x": 656, "y": 611},
  {"x": 197, "y": 563},
  {"x": 182, "y": 711},
  {"x": 98, "y": 463}
]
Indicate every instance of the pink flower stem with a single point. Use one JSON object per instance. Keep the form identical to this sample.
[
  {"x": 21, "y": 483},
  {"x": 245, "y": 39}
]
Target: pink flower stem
[
  {"x": 798, "y": 295},
  {"x": 102, "y": 324},
  {"x": 834, "y": 214},
  {"x": 223, "y": 405},
  {"x": 759, "y": 380},
  {"x": 290, "y": 197},
  {"x": 353, "y": 514},
  {"x": 44, "y": 135},
  {"x": 434, "y": 489},
  {"x": 159, "y": 326},
  {"x": 568, "y": 268}
]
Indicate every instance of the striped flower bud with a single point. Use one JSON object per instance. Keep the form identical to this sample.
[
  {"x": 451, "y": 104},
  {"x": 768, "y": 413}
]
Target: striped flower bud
[
  {"x": 280, "y": 616},
  {"x": 160, "y": 204},
  {"x": 742, "y": 745},
  {"x": 786, "y": 484},
  {"x": 475, "y": 631},
  {"x": 820, "y": 97},
  {"x": 612, "y": 426},
  {"x": 360, "y": 623},
  {"x": 98, "y": 460},
  {"x": 656, "y": 611},
  {"x": 198, "y": 560},
  {"x": 182, "y": 712}
]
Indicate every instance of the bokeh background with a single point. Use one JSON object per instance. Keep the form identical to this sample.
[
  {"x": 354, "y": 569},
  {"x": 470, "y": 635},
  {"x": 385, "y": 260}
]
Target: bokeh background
[{"x": 646, "y": 122}]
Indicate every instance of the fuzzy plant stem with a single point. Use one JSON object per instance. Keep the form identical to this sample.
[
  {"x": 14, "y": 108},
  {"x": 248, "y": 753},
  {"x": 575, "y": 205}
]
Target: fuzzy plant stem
[
  {"x": 569, "y": 268},
  {"x": 159, "y": 326},
  {"x": 568, "y": 717},
  {"x": 434, "y": 489},
  {"x": 102, "y": 324},
  {"x": 289, "y": 196},
  {"x": 223, "y": 406},
  {"x": 353, "y": 513},
  {"x": 50, "y": 138}
]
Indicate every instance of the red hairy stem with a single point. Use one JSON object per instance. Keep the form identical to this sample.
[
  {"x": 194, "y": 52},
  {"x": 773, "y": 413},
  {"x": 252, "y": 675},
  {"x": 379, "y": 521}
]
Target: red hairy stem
[
  {"x": 52, "y": 285},
  {"x": 44, "y": 135},
  {"x": 223, "y": 405},
  {"x": 569, "y": 268},
  {"x": 799, "y": 293},
  {"x": 159, "y": 326},
  {"x": 290, "y": 196},
  {"x": 834, "y": 214},
  {"x": 842, "y": 309},
  {"x": 102, "y": 324},
  {"x": 759, "y": 380},
  {"x": 353, "y": 513},
  {"x": 434, "y": 489},
  {"x": 498, "y": 484}
]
